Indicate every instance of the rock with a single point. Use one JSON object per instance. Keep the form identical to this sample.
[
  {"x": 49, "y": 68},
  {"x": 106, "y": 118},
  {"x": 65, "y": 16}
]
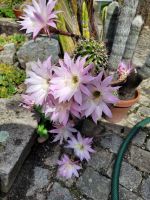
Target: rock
[
  {"x": 94, "y": 185},
  {"x": 40, "y": 180},
  {"x": 41, "y": 48},
  {"x": 20, "y": 125},
  {"x": 8, "y": 54},
  {"x": 148, "y": 144},
  {"x": 101, "y": 160},
  {"x": 145, "y": 189},
  {"x": 8, "y": 26},
  {"x": 40, "y": 196},
  {"x": 111, "y": 142},
  {"x": 59, "y": 193},
  {"x": 4, "y": 135},
  {"x": 140, "y": 158},
  {"x": 127, "y": 195}
]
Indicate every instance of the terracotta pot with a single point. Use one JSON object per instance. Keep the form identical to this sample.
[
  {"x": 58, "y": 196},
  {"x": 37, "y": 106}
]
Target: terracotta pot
[
  {"x": 120, "y": 110},
  {"x": 18, "y": 13}
]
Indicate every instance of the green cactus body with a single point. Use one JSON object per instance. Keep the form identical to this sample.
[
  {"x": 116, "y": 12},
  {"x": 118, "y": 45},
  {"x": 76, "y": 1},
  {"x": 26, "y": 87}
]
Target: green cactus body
[
  {"x": 104, "y": 16},
  {"x": 96, "y": 52},
  {"x": 85, "y": 21}
]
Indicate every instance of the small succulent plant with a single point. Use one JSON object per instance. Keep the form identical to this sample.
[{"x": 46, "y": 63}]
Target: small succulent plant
[
  {"x": 10, "y": 78},
  {"x": 17, "y": 39},
  {"x": 96, "y": 52}
]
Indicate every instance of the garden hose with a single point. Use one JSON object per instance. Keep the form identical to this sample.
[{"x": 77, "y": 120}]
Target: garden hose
[{"x": 122, "y": 150}]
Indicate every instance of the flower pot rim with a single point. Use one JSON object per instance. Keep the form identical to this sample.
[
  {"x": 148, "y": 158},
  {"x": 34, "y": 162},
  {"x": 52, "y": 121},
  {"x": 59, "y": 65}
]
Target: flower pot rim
[{"x": 128, "y": 103}]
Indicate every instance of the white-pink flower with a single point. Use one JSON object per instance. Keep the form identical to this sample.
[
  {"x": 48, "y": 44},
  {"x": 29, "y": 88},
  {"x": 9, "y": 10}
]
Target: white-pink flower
[
  {"x": 81, "y": 146},
  {"x": 60, "y": 112},
  {"x": 68, "y": 168},
  {"x": 40, "y": 15},
  {"x": 63, "y": 132},
  {"x": 100, "y": 98},
  {"x": 124, "y": 69},
  {"x": 27, "y": 101},
  {"x": 38, "y": 80},
  {"x": 70, "y": 79}
]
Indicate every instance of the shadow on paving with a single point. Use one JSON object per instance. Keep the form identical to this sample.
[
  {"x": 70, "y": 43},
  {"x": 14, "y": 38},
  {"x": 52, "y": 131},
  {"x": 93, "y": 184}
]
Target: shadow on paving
[{"x": 103, "y": 134}]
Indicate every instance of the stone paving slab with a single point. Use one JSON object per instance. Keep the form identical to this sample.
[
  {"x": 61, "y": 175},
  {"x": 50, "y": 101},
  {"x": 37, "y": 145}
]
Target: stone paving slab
[
  {"x": 130, "y": 178},
  {"x": 94, "y": 185},
  {"x": 60, "y": 193},
  {"x": 128, "y": 195},
  {"x": 145, "y": 188},
  {"x": 20, "y": 126},
  {"x": 140, "y": 158}
]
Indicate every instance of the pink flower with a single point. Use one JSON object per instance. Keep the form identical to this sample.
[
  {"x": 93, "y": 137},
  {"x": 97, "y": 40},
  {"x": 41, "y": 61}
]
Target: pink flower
[
  {"x": 27, "y": 101},
  {"x": 38, "y": 80},
  {"x": 63, "y": 132},
  {"x": 68, "y": 168},
  {"x": 124, "y": 69},
  {"x": 81, "y": 146},
  {"x": 101, "y": 96},
  {"x": 60, "y": 112},
  {"x": 39, "y": 16},
  {"x": 70, "y": 79}
]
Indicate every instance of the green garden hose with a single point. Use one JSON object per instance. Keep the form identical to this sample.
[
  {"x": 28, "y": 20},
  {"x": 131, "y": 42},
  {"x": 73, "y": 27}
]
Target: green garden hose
[{"x": 122, "y": 150}]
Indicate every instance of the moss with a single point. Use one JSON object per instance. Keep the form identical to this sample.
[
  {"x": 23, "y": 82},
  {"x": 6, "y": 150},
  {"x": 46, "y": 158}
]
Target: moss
[
  {"x": 10, "y": 78},
  {"x": 17, "y": 39},
  {"x": 7, "y": 12}
]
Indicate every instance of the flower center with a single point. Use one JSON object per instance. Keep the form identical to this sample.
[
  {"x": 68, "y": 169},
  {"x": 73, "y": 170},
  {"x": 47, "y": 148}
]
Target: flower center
[
  {"x": 45, "y": 84},
  {"x": 75, "y": 79},
  {"x": 80, "y": 147},
  {"x": 96, "y": 94}
]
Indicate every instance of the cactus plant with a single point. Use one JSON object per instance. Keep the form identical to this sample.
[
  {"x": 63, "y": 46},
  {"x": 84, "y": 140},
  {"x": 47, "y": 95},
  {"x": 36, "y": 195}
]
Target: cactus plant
[{"x": 96, "y": 52}]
